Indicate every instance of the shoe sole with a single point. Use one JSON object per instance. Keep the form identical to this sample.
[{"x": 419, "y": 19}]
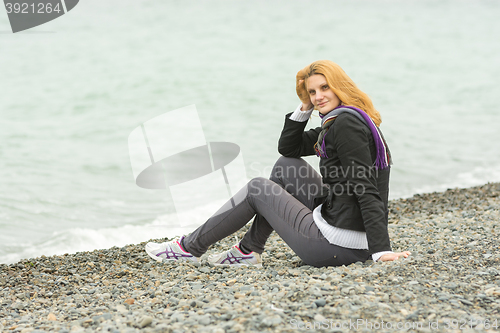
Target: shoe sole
[{"x": 234, "y": 265}]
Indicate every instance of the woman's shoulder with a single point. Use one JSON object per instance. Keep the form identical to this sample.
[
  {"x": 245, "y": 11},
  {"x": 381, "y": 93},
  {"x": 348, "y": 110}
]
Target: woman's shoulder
[{"x": 349, "y": 122}]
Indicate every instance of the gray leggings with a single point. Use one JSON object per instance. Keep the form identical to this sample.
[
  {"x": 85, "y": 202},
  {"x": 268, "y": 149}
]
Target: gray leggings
[{"x": 283, "y": 203}]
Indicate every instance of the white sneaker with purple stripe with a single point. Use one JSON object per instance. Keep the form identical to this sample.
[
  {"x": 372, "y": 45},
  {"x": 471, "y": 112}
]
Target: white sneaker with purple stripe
[
  {"x": 234, "y": 257},
  {"x": 172, "y": 251}
]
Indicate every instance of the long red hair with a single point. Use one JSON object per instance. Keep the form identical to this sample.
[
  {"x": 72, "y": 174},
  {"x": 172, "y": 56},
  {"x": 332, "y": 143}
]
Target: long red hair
[{"x": 342, "y": 85}]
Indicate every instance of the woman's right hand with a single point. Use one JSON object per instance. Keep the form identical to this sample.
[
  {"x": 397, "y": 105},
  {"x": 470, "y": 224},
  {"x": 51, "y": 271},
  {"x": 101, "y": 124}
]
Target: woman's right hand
[{"x": 302, "y": 91}]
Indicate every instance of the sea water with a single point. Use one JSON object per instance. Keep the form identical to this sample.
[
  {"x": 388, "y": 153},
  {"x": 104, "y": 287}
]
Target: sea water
[{"x": 72, "y": 91}]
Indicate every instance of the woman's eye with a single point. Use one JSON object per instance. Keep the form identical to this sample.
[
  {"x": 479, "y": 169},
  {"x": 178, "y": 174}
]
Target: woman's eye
[{"x": 325, "y": 87}]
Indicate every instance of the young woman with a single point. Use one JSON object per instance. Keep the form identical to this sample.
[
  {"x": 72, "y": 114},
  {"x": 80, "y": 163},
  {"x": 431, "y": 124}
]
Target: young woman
[{"x": 332, "y": 219}]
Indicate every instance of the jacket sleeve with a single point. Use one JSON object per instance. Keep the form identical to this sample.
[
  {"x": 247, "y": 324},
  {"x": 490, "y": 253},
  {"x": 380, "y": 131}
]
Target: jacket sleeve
[
  {"x": 351, "y": 140},
  {"x": 294, "y": 141}
]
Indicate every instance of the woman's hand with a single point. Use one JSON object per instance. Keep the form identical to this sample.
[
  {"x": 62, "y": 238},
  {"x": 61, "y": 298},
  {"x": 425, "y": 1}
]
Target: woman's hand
[
  {"x": 302, "y": 91},
  {"x": 394, "y": 256}
]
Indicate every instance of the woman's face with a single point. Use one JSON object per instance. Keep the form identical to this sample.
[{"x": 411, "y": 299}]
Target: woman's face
[{"x": 322, "y": 97}]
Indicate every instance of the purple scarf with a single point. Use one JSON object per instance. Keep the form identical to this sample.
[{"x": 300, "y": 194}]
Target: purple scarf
[{"x": 383, "y": 159}]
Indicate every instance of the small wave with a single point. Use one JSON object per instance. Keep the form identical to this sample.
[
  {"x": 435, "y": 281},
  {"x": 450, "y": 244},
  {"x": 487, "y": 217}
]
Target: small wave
[
  {"x": 477, "y": 176},
  {"x": 86, "y": 239}
]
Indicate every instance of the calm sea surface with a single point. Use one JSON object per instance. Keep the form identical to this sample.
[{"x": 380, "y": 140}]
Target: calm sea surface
[{"x": 72, "y": 90}]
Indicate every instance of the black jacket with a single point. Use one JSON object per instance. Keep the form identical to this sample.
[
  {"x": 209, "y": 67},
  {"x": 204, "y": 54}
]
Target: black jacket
[{"x": 357, "y": 192}]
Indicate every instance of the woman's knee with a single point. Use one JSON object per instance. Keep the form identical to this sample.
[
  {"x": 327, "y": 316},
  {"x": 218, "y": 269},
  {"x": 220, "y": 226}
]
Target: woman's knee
[
  {"x": 257, "y": 184},
  {"x": 286, "y": 166},
  {"x": 288, "y": 161},
  {"x": 263, "y": 186}
]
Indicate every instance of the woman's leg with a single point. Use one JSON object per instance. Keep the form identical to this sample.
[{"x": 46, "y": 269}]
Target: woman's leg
[
  {"x": 295, "y": 175},
  {"x": 282, "y": 212},
  {"x": 291, "y": 219},
  {"x": 299, "y": 179}
]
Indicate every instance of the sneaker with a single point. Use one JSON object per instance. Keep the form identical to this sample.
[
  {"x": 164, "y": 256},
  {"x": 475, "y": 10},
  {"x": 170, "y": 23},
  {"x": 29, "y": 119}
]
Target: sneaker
[
  {"x": 234, "y": 257},
  {"x": 170, "y": 251}
]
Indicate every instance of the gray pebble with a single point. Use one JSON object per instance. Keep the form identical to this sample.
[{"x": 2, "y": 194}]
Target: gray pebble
[{"x": 320, "y": 302}]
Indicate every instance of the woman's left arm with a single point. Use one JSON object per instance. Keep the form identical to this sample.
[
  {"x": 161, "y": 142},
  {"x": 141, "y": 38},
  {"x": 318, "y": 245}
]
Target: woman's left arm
[{"x": 351, "y": 140}]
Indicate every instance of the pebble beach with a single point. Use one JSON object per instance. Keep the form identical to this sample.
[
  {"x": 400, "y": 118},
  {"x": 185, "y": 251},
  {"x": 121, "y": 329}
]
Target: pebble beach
[{"x": 450, "y": 283}]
